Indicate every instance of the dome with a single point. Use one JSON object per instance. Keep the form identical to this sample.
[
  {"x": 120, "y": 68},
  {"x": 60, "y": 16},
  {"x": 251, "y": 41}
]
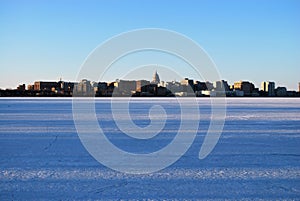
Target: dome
[{"x": 155, "y": 78}]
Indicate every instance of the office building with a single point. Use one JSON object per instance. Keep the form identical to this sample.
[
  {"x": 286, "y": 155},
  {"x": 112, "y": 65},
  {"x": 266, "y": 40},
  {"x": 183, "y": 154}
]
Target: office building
[
  {"x": 245, "y": 86},
  {"x": 268, "y": 88},
  {"x": 125, "y": 87}
]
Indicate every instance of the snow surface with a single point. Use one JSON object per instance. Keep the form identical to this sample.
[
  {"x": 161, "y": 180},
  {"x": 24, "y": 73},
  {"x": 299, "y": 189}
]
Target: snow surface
[{"x": 256, "y": 158}]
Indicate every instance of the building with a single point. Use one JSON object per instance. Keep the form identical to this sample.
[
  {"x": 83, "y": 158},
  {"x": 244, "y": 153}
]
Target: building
[
  {"x": 209, "y": 85},
  {"x": 45, "y": 86},
  {"x": 221, "y": 86},
  {"x": 21, "y": 87},
  {"x": 268, "y": 88},
  {"x": 245, "y": 86},
  {"x": 155, "y": 78},
  {"x": 209, "y": 93},
  {"x": 299, "y": 87},
  {"x": 110, "y": 88},
  {"x": 238, "y": 93},
  {"x": 162, "y": 84},
  {"x": 291, "y": 93},
  {"x": 66, "y": 86},
  {"x": 84, "y": 88},
  {"x": 281, "y": 91},
  {"x": 125, "y": 87},
  {"x": 173, "y": 86},
  {"x": 101, "y": 89},
  {"x": 30, "y": 87},
  {"x": 187, "y": 85},
  {"x": 255, "y": 92},
  {"x": 142, "y": 85},
  {"x": 199, "y": 86},
  {"x": 161, "y": 91}
]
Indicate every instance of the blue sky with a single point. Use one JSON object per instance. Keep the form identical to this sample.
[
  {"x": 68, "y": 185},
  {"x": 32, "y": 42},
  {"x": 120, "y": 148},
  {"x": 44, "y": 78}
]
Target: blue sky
[{"x": 248, "y": 40}]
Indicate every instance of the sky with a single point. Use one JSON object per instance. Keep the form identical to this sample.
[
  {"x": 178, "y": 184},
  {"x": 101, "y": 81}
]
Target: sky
[{"x": 254, "y": 40}]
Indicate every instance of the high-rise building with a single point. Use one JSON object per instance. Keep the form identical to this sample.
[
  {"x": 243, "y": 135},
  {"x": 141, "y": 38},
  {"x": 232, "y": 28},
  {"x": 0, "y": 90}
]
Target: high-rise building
[
  {"x": 245, "y": 86},
  {"x": 299, "y": 87},
  {"x": 84, "y": 88},
  {"x": 268, "y": 87},
  {"x": 155, "y": 79}
]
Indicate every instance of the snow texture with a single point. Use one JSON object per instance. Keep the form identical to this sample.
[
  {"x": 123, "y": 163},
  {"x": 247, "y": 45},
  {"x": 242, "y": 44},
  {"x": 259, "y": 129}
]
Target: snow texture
[{"x": 256, "y": 158}]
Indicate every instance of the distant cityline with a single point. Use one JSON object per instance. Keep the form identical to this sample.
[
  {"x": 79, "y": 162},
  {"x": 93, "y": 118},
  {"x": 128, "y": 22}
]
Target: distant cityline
[{"x": 144, "y": 88}]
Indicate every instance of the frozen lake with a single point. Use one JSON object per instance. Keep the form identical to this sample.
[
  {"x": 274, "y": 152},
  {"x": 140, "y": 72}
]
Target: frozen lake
[{"x": 257, "y": 156}]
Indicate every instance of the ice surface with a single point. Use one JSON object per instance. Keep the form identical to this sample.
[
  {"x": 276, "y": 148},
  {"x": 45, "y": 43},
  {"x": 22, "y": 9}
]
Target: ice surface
[{"x": 257, "y": 157}]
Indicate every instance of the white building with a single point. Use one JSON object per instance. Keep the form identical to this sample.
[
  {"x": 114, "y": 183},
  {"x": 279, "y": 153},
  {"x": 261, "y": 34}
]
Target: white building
[{"x": 155, "y": 78}]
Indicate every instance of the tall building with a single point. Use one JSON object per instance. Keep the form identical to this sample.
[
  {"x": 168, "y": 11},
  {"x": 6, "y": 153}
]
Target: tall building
[
  {"x": 268, "y": 87},
  {"x": 84, "y": 88},
  {"x": 155, "y": 78},
  {"x": 245, "y": 86},
  {"x": 299, "y": 87}
]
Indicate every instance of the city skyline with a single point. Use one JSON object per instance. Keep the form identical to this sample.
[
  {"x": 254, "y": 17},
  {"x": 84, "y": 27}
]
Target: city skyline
[
  {"x": 156, "y": 76},
  {"x": 155, "y": 87},
  {"x": 249, "y": 40}
]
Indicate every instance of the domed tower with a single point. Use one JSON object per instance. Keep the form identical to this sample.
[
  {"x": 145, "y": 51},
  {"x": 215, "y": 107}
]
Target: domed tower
[{"x": 155, "y": 79}]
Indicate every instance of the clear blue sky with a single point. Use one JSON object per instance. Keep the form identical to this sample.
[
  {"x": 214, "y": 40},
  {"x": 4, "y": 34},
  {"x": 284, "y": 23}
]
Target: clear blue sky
[{"x": 248, "y": 40}]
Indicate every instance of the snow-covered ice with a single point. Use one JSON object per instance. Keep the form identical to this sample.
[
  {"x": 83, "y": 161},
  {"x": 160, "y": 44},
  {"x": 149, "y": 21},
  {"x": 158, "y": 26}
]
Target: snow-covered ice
[{"x": 257, "y": 156}]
